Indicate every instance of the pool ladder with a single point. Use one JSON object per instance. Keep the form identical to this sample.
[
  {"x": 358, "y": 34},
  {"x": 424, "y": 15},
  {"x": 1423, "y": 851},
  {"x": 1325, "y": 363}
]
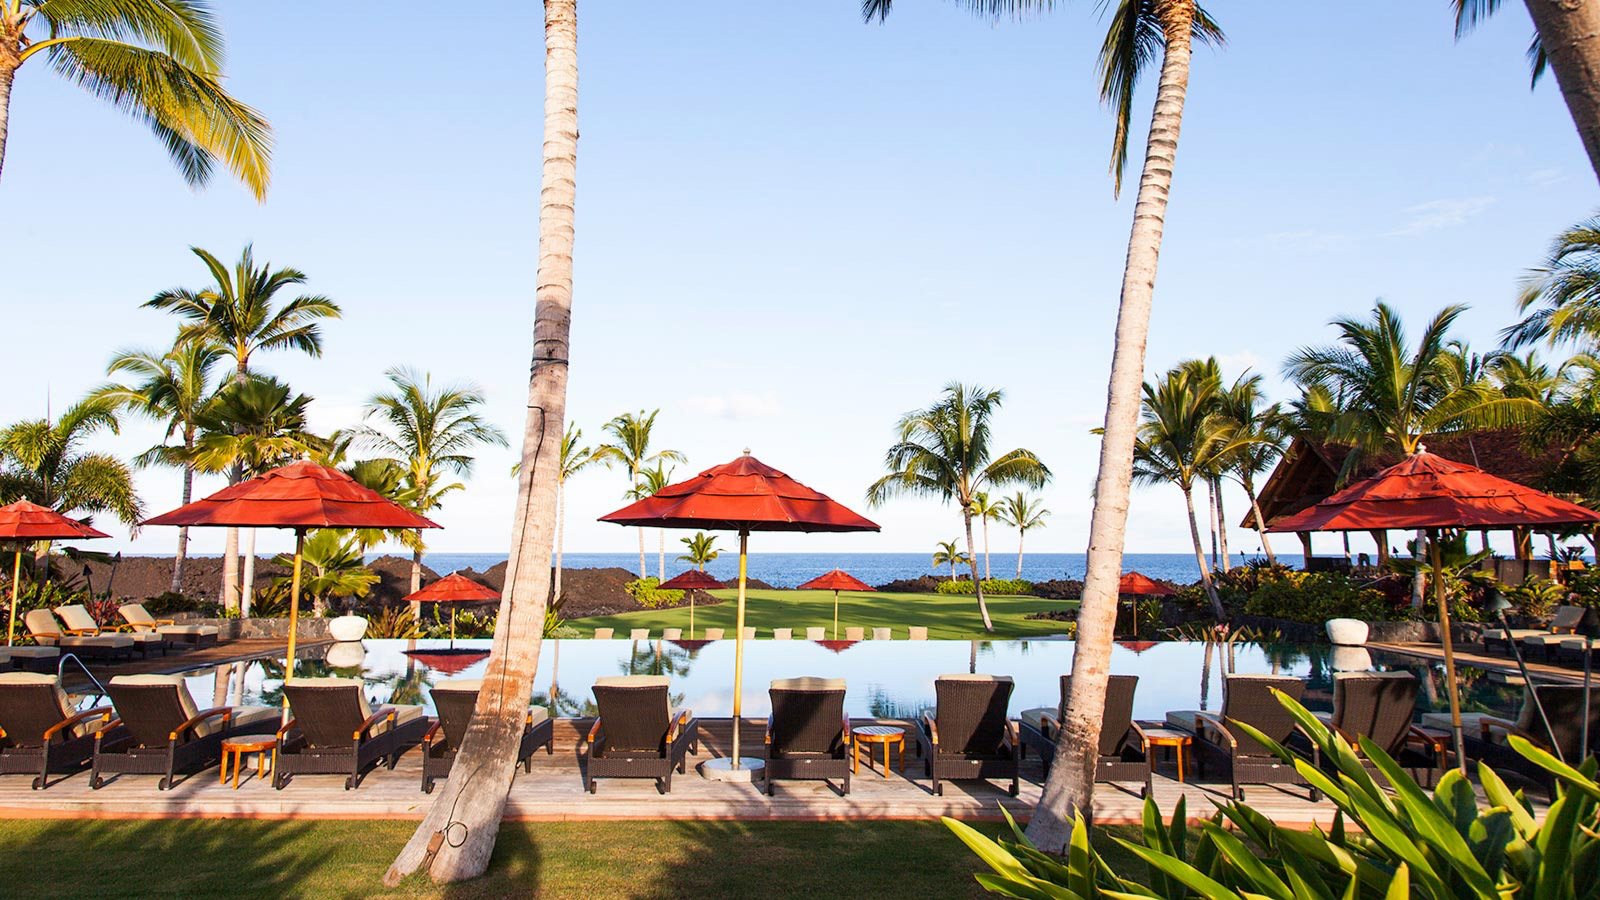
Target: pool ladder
[{"x": 61, "y": 666}]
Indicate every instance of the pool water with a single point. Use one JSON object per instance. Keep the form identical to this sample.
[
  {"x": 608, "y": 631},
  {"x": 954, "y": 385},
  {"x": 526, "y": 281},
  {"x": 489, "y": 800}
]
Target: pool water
[{"x": 885, "y": 678}]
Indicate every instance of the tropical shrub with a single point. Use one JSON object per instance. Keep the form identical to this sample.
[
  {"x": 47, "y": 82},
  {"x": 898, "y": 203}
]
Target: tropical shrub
[
  {"x": 645, "y": 591},
  {"x": 997, "y": 586},
  {"x": 173, "y": 602},
  {"x": 393, "y": 622},
  {"x": 467, "y": 625},
  {"x": 1405, "y": 842},
  {"x": 1536, "y": 598}
]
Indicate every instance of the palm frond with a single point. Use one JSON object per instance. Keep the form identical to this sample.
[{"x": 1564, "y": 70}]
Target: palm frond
[{"x": 185, "y": 30}]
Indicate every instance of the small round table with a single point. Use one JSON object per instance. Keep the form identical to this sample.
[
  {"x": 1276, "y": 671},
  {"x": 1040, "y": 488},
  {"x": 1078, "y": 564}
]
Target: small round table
[
  {"x": 259, "y": 744},
  {"x": 879, "y": 734},
  {"x": 1168, "y": 737}
]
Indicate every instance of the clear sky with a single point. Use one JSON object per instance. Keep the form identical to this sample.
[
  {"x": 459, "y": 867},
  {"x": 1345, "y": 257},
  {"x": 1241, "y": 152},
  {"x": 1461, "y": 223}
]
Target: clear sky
[{"x": 791, "y": 226}]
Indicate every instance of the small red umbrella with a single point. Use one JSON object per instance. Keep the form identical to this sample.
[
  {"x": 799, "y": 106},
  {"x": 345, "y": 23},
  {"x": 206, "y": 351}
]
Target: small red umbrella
[
  {"x": 689, "y": 582},
  {"x": 453, "y": 588},
  {"x": 838, "y": 646},
  {"x": 1136, "y": 646},
  {"x": 836, "y": 581},
  {"x": 1134, "y": 583},
  {"x": 301, "y": 496},
  {"x": 744, "y": 495},
  {"x": 25, "y": 522},
  {"x": 449, "y": 663}
]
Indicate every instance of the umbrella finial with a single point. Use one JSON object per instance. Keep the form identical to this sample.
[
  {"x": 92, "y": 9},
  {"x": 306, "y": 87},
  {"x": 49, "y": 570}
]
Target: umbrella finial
[
  {"x": 1421, "y": 448},
  {"x": 747, "y": 451}
]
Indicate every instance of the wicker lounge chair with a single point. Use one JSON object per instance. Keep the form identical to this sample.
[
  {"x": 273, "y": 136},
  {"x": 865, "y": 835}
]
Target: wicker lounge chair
[
  {"x": 1380, "y": 707},
  {"x": 782, "y": 634},
  {"x": 808, "y": 733},
  {"x": 1124, "y": 752},
  {"x": 855, "y": 633},
  {"x": 78, "y": 621},
  {"x": 34, "y": 658},
  {"x": 139, "y": 620},
  {"x": 712, "y": 634},
  {"x": 638, "y": 734},
  {"x": 335, "y": 732},
  {"x": 40, "y": 732},
  {"x": 1563, "y": 704},
  {"x": 967, "y": 735},
  {"x": 454, "y": 700},
  {"x": 816, "y": 633},
  {"x": 1218, "y": 742},
  {"x": 1562, "y": 628},
  {"x": 672, "y": 634},
  {"x": 158, "y": 730},
  {"x": 47, "y": 631}
]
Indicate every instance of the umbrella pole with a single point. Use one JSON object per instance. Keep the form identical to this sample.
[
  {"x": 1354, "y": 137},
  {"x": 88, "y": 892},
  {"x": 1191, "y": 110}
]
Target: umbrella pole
[
  {"x": 1528, "y": 680},
  {"x": 738, "y": 644},
  {"x": 1449, "y": 650},
  {"x": 691, "y": 615},
  {"x": 16, "y": 582},
  {"x": 294, "y": 615},
  {"x": 836, "y": 615},
  {"x": 452, "y": 629},
  {"x": 1588, "y": 656}
]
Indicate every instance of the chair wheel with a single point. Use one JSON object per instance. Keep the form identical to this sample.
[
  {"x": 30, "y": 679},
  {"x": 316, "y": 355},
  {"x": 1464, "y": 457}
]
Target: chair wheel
[
  {"x": 349, "y": 783},
  {"x": 427, "y": 787},
  {"x": 164, "y": 784},
  {"x": 96, "y": 783},
  {"x": 38, "y": 784}
]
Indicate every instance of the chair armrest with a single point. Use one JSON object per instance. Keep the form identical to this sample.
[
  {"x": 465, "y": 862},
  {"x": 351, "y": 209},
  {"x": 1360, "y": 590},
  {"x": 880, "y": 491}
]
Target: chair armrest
[
  {"x": 73, "y": 720},
  {"x": 81, "y": 632},
  {"x": 225, "y": 711},
  {"x": 284, "y": 729},
  {"x": 105, "y": 729},
  {"x": 594, "y": 731},
  {"x": 933, "y": 731},
  {"x": 680, "y": 720},
  {"x": 1048, "y": 724},
  {"x": 1013, "y": 738},
  {"x": 386, "y": 713},
  {"x": 1486, "y": 722},
  {"x": 1144, "y": 739},
  {"x": 433, "y": 730},
  {"x": 849, "y": 734},
  {"x": 1215, "y": 722}
]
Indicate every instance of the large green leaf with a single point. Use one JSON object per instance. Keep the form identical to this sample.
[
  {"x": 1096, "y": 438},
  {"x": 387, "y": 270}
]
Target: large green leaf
[
  {"x": 1193, "y": 878},
  {"x": 1431, "y": 824},
  {"x": 1571, "y": 777},
  {"x": 1263, "y": 879}
]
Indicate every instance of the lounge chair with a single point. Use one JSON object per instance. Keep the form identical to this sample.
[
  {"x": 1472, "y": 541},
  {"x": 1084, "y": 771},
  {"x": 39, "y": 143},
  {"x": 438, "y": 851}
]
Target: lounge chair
[
  {"x": 603, "y": 634},
  {"x": 139, "y": 620},
  {"x": 1124, "y": 752},
  {"x": 749, "y": 634},
  {"x": 638, "y": 734},
  {"x": 335, "y": 732},
  {"x": 47, "y": 631},
  {"x": 1380, "y": 707},
  {"x": 882, "y": 634},
  {"x": 1562, "y": 627},
  {"x": 808, "y": 733},
  {"x": 639, "y": 634},
  {"x": 1219, "y": 742},
  {"x": 454, "y": 701},
  {"x": 712, "y": 634},
  {"x": 672, "y": 634},
  {"x": 78, "y": 621},
  {"x": 1563, "y": 704},
  {"x": 34, "y": 658},
  {"x": 917, "y": 633},
  {"x": 816, "y": 633},
  {"x": 40, "y": 732},
  {"x": 967, "y": 735},
  {"x": 782, "y": 634},
  {"x": 855, "y": 633},
  {"x": 159, "y": 731}
]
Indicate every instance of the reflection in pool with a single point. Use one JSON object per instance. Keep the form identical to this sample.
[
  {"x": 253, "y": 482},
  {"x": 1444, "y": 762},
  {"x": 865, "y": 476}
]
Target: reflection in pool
[{"x": 886, "y": 678}]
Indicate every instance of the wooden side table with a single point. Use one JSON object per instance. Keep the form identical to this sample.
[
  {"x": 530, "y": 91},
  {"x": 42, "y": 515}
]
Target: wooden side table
[
  {"x": 1161, "y": 736},
  {"x": 259, "y": 744},
  {"x": 879, "y": 734}
]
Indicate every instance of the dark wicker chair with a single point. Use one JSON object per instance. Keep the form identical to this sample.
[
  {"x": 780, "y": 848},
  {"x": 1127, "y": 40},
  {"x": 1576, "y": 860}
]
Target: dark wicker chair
[
  {"x": 638, "y": 734},
  {"x": 40, "y": 733},
  {"x": 139, "y": 621},
  {"x": 453, "y": 701},
  {"x": 808, "y": 733},
  {"x": 1563, "y": 704},
  {"x": 335, "y": 732},
  {"x": 1219, "y": 742},
  {"x": 1563, "y": 626},
  {"x": 1124, "y": 753},
  {"x": 967, "y": 735},
  {"x": 1381, "y": 707},
  {"x": 47, "y": 631},
  {"x": 158, "y": 730}
]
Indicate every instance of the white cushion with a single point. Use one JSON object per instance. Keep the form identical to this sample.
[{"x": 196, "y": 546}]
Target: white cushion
[
  {"x": 672, "y": 634},
  {"x": 639, "y": 634},
  {"x": 114, "y": 641},
  {"x": 633, "y": 681},
  {"x": 816, "y": 634},
  {"x": 855, "y": 633},
  {"x": 808, "y": 684},
  {"x": 603, "y": 634},
  {"x": 969, "y": 677},
  {"x": 460, "y": 684},
  {"x": 917, "y": 633},
  {"x": 713, "y": 634},
  {"x": 34, "y": 652},
  {"x": 882, "y": 634},
  {"x": 77, "y": 618},
  {"x": 186, "y": 629},
  {"x": 41, "y": 622},
  {"x": 782, "y": 634}
]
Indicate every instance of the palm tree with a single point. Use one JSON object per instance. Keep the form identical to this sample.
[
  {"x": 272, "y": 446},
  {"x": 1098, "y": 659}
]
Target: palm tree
[
  {"x": 949, "y": 553},
  {"x": 574, "y": 459},
  {"x": 702, "y": 550},
  {"x": 1208, "y": 370},
  {"x": 43, "y": 461},
  {"x": 630, "y": 449},
  {"x": 1563, "y": 292},
  {"x": 237, "y": 312},
  {"x": 1181, "y": 441},
  {"x": 333, "y": 568},
  {"x": 1023, "y": 513},
  {"x": 174, "y": 388},
  {"x": 473, "y": 806},
  {"x": 171, "y": 80},
  {"x": 432, "y": 432},
  {"x": 1260, "y": 433},
  {"x": 945, "y": 451},
  {"x": 985, "y": 511},
  {"x": 651, "y": 481}
]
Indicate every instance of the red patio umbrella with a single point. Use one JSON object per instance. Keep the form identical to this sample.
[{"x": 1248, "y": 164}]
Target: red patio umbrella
[
  {"x": 1137, "y": 646},
  {"x": 24, "y": 522},
  {"x": 1134, "y": 583},
  {"x": 449, "y": 663},
  {"x": 301, "y": 496},
  {"x": 1428, "y": 492},
  {"x": 691, "y": 581},
  {"x": 744, "y": 495},
  {"x": 836, "y": 581},
  {"x": 837, "y": 646},
  {"x": 453, "y": 588}
]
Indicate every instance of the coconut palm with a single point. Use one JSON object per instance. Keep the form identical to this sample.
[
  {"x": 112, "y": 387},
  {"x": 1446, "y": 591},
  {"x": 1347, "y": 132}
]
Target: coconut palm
[
  {"x": 1208, "y": 369},
  {"x": 160, "y": 61},
  {"x": 949, "y": 553},
  {"x": 986, "y": 512},
  {"x": 574, "y": 459},
  {"x": 432, "y": 431},
  {"x": 1562, "y": 292},
  {"x": 173, "y": 388},
  {"x": 1023, "y": 513},
  {"x": 946, "y": 451},
  {"x": 1525, "y": 376},
  {"x": 43, "y": 461},
  {"x": 380, "y": 474},
  {"x": 238, "y": 312},
  {"x": 472, "y": 807},
  {"x": 630, "y": 449},
  {"x": 1260, "y": 434},
  {"x": 333, "y": 568},
  {"x": 651, "y": 481},
  {"x": 702, "y": 550}
]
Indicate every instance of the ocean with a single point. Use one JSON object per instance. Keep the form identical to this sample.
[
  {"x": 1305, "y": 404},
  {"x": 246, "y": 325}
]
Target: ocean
[{"x": 790, "y": 569}]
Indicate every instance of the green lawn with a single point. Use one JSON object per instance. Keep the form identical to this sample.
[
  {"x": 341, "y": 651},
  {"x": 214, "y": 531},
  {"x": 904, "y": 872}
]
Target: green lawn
[
  {"x": 234, "y": 858},
  {"x": 948, "y": 617}
]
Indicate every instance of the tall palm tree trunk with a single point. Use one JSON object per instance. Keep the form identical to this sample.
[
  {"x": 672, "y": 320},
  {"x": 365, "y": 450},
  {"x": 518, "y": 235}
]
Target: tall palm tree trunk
[
  {"x": 8, "y": 74},
  {"x": 247, "y": 578},
  {"x": 972, "y": 560},
  {"x": 1021, "y": 533},
  {"x": 230, "y": 568},
  {"x": 661, "y": 558},
  {"x": 986, "y": 548},
  {"x": 468, "y": 809},
  {"x": 1569, "y": 30},
  {"x": 416, "y": 577},
  {"x": 183, "y": 533},
  {"x": 1261, "y": 529},
  {"x": 1222, "y": 525},
  {"x": 1070, "y": 786},
  {"x": 1200, "y": 557},
  {"x": 1211, "y": 518},
  {"x": 561, "y": 537}
]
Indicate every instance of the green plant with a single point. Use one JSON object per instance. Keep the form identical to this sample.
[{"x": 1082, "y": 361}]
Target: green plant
[
  {"x": 466, "y": 625},
  {"x": 393, "y": 622},
  {"x": 645, "y": 591},
  {"x": 997, "y": 586},
  {"x": 555, "y": 626},
  {"x": 1147, "y": 616},
  {"x": 1536, "y": 598},
  {"x": 174, "y": 602}
]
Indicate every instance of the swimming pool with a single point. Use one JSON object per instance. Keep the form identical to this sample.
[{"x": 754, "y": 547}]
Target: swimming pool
[{"x": 885, "y": 678}]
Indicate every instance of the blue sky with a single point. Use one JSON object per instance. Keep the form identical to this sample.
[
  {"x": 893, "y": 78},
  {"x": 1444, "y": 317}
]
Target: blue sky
[{"x": 792, "y": 227}]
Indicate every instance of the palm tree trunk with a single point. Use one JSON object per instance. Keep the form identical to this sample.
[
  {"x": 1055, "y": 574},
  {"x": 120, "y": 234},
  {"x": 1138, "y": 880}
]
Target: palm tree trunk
[
  {"x": 1222, "y": 525},
  {"x": 230, "y": 569},
  {"x": 1570, "y": 34},
  {"x": 471, "y": 807},
  {"x": 183, "y": 532},
  {"x": 1200, "y": 557},
  {"x": 1211, "y": 515},
  {"x": 1419, "y": 581},
  {"x": 416, "y": 577},
  {"x": 7, "y": 75},
  {"x": 1070, "y": 786},
  {"x": 561, "y": 536},
  {"x": 1021, "y": 533},
  {"x": 643, "y": 572},
  {"x": 661, "y": 557},
  {"x": 247, "y": 589},
  {"x": 1205, "y": 675},
  {"x": 1261, "y": 527},
  {"x": 972, "y": 560},
  {"x": 986, "y": 548}
]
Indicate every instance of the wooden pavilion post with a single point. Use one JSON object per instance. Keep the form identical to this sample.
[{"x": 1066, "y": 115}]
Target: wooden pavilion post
[{"x": 1380, "y": 536}]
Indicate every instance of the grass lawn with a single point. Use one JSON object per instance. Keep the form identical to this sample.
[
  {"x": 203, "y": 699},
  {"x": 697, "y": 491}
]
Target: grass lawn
[
  {"x": 234, "y": 858},
  {"x": 948, "y": 616}
]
